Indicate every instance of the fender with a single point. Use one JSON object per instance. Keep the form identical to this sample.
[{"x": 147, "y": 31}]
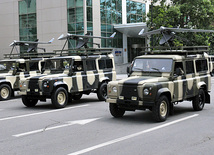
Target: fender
[
  {"x": 161, "y": 91},
  {"x": 6, "y": 82},
  {"x": 104, "y": 79},
  {"x": 60, "y": 83},
  {"x": 201, "y": 84}
]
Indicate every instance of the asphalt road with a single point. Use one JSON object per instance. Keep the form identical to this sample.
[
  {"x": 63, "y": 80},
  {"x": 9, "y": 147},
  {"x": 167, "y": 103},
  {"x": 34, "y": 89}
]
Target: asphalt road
[{"x": 86, "y": 127}]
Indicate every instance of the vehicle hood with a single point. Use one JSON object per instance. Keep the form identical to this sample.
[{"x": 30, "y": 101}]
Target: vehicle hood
[
  {"x": 140, "y": 80},
  {"x": 42, "y": 76},
  {"x": 3, "y": 75}
]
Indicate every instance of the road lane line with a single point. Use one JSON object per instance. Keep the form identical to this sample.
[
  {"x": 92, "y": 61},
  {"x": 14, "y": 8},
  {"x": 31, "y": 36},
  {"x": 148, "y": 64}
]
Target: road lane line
[
  {"x": 132, "y": 135},
  {"x": 80, "y": 122},
  {"x": 39, "y": 113}
]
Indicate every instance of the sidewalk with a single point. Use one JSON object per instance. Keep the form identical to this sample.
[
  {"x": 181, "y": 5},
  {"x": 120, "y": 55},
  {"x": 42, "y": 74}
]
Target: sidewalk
[{"x": 121, "y": 76}]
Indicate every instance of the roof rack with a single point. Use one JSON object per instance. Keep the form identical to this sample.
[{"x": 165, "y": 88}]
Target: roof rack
[
  {"x": 29, "y": 55},
  {"x": 183, "y": 50},
  {"x": 85, "y": 52}
]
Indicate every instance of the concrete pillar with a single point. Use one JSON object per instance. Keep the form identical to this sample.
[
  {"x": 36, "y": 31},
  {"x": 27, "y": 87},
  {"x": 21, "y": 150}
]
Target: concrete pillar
[
  {"x": 96, "y": 21},
  {"x": 124, "y": 21},
  {"x": 85, "y": 16}
]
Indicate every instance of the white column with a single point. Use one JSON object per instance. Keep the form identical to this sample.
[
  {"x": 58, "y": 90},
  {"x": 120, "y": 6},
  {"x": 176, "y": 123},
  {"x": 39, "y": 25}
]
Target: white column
[
  {"x": 124, "y": 21},
  {"x": 96, "y": 21},
  {"x": 85, "y": 16}
]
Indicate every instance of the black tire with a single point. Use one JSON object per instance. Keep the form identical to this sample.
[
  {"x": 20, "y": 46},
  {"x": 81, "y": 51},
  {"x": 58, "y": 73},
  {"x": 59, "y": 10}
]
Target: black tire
[
  {"x": 29, "y": 102},
  {"x": 199, "y": 101},
  {"x": 161, "y": 109},
  {"x": 59, "y": 98},
  {"x": 102, "y": 92},
  {"x": 5, "y": 92},
  {"x": 77, "y": 96},
  {"x": 115, "y": 111}
]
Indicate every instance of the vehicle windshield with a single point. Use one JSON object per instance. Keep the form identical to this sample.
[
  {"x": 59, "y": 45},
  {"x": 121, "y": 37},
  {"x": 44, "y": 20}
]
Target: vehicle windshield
[
  {"x": 152, "y": 65},
  {"x": 57, "y": 65},
  {"x": 7, "y": 66}
]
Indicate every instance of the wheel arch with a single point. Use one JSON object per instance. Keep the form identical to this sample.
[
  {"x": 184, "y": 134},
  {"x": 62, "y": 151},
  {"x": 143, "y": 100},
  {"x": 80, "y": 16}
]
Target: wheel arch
[
  {"x": 60, "y": 84},
  {"x": 164, "y": 91},
  {"x": 6, "y": 82}
]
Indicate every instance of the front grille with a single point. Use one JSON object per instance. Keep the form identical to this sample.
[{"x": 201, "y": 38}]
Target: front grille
[
  {"x": 33, "y": 84},
  {"x": 128, "y": 91}
]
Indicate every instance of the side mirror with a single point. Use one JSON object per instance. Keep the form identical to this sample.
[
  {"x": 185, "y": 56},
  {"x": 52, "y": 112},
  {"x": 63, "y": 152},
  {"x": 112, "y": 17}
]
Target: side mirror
[{"x": 128, "y": 70}]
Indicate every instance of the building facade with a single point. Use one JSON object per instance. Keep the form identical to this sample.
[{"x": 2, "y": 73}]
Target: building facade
[{"x": 45, "y": 19}]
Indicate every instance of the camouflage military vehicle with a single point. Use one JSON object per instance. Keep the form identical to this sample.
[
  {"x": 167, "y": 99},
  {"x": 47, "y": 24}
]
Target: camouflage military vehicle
[
  {"x": 69, "y": 77},
  {"x": 211, "y": 64},
  {"x": 166, "y": 75},
  {"x": 158, "y": 81},
  {"x": 21, "y": 65},
  {"x": 12, "y": 70}
]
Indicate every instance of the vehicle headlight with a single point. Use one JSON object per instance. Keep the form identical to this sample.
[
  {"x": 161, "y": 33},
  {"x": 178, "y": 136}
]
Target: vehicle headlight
[
  {"x": 146, "y": 91},
  {"x": 23, "y": 84},
  {"x": 45, "y": 84},
  {"x": 114, "y": 89}
]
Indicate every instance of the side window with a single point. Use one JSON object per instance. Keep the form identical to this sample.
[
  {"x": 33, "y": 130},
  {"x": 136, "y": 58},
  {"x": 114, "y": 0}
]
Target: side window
[
  {"x": 189, "y": 67},
  {"x": 78, "y": 66},
  {"x": 105, "y": 64},
  {"x": 21, "y": 67},
  {"x": 109, "y": 63},
  {"x": 91, "y": 65},
  {"x": 101, "y": 64},
  {"x": 34, "y": 66},
  {"x": 201, "y": 65},
  {"x": 178, "y": 69}
]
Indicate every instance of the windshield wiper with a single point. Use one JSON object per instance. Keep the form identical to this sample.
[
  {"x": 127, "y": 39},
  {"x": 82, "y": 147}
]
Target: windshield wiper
[
  {"x": 156, "y": 69},
  {"x": 140, "y": 69}
]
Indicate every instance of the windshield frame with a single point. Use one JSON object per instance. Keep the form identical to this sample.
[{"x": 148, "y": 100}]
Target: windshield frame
[
  {"x": 156, "y": 65},
  {"x": 59, "y": 65}
]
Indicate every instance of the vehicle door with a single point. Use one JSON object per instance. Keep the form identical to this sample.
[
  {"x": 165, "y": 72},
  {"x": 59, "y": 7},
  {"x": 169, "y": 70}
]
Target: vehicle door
[
  {"x": 22, "y": 72},
  {"x": 190, "y": 77},
  {"x": 92, "y": 79},
  {"x": 179, "y": 80},
  {"x": 78, "y": 76}
]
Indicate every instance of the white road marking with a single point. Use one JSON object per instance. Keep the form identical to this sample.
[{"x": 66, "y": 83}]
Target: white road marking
[
  {"x": 131, "y": 136},
  {"x": 39, "y": 113},
  {"x": 80, "y": 122}
]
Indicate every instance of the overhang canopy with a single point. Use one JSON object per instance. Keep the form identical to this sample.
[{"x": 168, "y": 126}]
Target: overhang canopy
[{"x": 132, "y": 29}]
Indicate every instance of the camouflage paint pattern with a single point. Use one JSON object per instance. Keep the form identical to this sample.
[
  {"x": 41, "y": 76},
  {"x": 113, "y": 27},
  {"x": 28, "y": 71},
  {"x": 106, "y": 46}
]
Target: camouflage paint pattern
[
  {"x": 74, "y": 81},
  {"x": 142, "y": 89}
]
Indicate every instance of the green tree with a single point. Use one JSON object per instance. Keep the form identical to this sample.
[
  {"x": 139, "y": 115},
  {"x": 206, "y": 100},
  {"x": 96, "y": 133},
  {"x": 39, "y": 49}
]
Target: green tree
[{"x": 197, "y": 14}]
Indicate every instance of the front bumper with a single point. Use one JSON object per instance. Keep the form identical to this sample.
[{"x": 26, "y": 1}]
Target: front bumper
[{"x": 131, "y": 104}]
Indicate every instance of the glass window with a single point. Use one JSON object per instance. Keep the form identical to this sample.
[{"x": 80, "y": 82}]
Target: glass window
[
  {"x": 136, "y": 12},
  {"x": 201, "y": 65},
  {"x": 91, "y": 65},
  {"x": 89, "y": 14},
  {"x": 109, "y": 63},
  {"x": 189, "y": 67},
  {"x": 27, "y": 22},
  {"x": 101, "y": 64},
  {"x": 111, "y": 13},
  {"x": 152, "y": 65},
  {"x": 105, "y": 63},
  {"x": 79, "y": 3},
  {"x": 89, "y": 2},
  {"x": 79, "y": 15},
  {"x": 34, "y": 66},
  {"x": 71, "y": 3}
]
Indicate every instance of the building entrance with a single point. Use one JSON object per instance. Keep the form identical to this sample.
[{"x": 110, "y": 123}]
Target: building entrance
[{"x": 135, "y": 46}]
